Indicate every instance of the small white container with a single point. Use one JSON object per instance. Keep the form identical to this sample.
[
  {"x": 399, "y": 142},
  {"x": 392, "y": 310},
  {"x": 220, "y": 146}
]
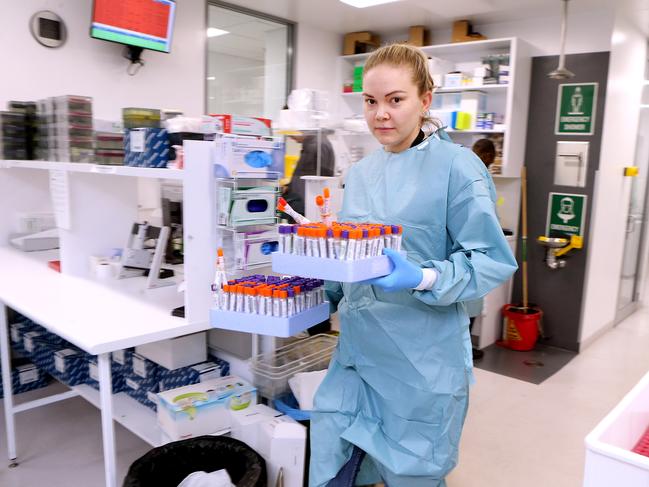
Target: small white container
[
  {"x": 610, "y": 460},
  {"x": 203, "y": 408},
  {"x": 176, "y": 352}
]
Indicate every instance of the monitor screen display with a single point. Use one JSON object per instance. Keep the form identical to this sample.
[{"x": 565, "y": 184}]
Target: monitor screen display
[{"x": 142, "y": 23}]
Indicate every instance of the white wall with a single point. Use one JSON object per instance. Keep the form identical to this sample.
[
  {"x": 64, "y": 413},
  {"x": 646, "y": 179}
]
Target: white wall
[
  {"x": 315, "y": 58},
  {"x": 86, "y": 66},
  {"x": 612, "y": 189}
]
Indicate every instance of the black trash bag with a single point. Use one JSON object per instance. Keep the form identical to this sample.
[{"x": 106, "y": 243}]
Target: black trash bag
[{"x": 169, "y": 465}]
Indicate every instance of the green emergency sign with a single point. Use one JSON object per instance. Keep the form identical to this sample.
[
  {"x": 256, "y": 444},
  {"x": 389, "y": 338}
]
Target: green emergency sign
[
  {"x": 566, "y": 215},
  {"x": 576, "y": 104}
]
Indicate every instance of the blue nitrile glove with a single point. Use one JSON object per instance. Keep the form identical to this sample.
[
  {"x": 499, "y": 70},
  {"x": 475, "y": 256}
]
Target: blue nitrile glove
[{"x": 405, "y": 274}]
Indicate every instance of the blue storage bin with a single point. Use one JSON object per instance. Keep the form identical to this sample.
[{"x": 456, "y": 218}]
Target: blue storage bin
[{"x": 287, "y": 404}]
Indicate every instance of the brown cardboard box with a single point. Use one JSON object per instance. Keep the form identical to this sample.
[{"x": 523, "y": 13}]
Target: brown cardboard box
[
  {"x": 360, "y": 41},
  {"x": 418, "y": 36},
  {"x": 463, "y": 32}
]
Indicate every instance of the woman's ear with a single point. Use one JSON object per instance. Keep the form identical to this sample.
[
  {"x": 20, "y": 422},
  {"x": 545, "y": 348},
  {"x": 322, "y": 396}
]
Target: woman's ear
[{"x": 426, "y": 100}]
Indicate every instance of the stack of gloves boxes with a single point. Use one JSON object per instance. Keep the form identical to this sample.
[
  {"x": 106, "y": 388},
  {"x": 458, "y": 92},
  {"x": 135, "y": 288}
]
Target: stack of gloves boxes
[
  {"x": 25, "y": 374},
  {"x": 65, "y": 124},
  {"x": 146, "y": 143},
  {"x": 18, "y": 131}
]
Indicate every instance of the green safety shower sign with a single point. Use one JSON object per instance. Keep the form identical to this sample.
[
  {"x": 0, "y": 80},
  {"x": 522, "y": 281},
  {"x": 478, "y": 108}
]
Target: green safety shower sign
[
  {"x": 566, "y": 215},
  {"x": 576, "y": 103}
]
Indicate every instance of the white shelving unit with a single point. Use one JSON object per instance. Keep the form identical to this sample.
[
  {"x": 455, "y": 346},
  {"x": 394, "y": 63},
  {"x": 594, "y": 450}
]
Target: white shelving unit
[
  {"x": 510, "y": 100},
  {"x": 98, "y": 316}
]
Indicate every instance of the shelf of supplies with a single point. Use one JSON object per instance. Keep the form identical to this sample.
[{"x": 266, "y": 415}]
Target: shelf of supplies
[
  {"x": 474, "y": 48},
  {"x": 143, "y": 172}
]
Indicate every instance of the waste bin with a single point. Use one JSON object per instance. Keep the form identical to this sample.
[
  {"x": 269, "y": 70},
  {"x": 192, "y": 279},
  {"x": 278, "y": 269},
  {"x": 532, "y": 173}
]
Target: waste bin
[{"x": 169, "y": 465}]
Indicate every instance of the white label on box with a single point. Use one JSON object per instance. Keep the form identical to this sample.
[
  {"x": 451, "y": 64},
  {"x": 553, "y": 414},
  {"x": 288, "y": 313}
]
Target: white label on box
[
  {"x": 93, "y": 372},
  {"x": 29, "y": 340},
  {"x": 207, "y": 371},
  {"x": 131, "y": 384},
  {"x": 137, "y": 140},
  {"x": 118, "y": 357},
  {"x": 27, "y": 374},
  {"x": 139, "y": 366},
  {"x": 151, "y": 396},
  {"x": 59, "y": 358},
  {"x": 15, "y": 332}
]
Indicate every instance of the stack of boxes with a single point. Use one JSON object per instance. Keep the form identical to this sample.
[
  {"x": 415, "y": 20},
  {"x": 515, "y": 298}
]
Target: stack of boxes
[
  {"x": 66, "y": 128},
  {"x": 109, "y": 148},
  {"x": 146, "y": 144},
  {"x": 18, "y": 133}
]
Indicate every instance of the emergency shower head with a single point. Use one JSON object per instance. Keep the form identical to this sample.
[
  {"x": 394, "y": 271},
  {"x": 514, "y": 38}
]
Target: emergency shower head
[{"x": 562, "y": 72}]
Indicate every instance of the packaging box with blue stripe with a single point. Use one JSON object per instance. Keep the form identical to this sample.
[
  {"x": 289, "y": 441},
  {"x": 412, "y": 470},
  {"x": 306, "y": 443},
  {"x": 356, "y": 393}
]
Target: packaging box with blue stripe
[
  {"x": 70, "y": 366},
  {"x": 184, "y": 376},
  {"x": 25, "y": 376},
  {"x": 118, "y": 379},
  {"x": 146, "y": 147}
]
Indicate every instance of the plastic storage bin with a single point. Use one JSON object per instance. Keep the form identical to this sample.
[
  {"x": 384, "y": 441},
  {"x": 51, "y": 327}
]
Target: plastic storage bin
[
  {"x": 332, "y": 269},
  {"x": 272, "y": 370},
  {"x": 269, "y": 325},
  {"x": 610, "y": 459}
]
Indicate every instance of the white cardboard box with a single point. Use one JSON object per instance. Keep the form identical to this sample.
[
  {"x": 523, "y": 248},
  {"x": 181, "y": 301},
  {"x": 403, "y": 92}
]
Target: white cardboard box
[
  {"x": 176, "y": 352},
  {"x": 610, "y": 460},
  {"x": 203, "y": 408}
]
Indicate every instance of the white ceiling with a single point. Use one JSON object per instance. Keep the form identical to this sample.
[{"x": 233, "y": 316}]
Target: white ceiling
[{"x": 335, "y": 16}]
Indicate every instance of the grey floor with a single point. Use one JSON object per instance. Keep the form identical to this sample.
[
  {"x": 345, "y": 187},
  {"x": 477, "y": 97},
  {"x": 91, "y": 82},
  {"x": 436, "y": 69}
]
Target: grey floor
[
  {"x": 534, "y": 366},
  {"x": 517, "y": 433}
]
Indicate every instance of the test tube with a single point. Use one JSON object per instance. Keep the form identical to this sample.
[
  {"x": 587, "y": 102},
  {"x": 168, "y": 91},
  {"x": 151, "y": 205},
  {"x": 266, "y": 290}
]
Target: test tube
[
  {"x": 364, "y": 241},
  {"x": 277, "y": 297},
  {"x": 299, "y": 299},
  {"x": 240, "y": 300},
  {"x": 344, "y": 244},
  {"x": 298, "y": 241},
  {"x": 388, "y": 236},
  {"x": 381, "y": 241},
  {"x": 322, "y": 293},
  {"x": 261, "y": 303},
  {"x": 322, "y": 242},
  {"x": 331, "y": 251},
  {"x": 290, "y": 302},
  {"x": 351, "y": 246},
  {"x": 252, "y": 296},
  {"x": 283, "y": 304},
  {"x": 268, "y": 301},
  {"x": 283, "y": 234},
  {"x": 397, "y": 237},
  {"x": 337, "y": 241},
  {"x": 376, "y": 234}
]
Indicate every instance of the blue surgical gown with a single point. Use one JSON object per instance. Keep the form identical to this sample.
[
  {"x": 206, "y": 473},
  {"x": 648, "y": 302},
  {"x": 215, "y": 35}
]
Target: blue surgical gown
[{"x": 397, "y": 386}]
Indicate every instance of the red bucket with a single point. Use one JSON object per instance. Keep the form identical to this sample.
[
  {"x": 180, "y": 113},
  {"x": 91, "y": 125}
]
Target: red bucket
[{"x": 521, "y": 327}]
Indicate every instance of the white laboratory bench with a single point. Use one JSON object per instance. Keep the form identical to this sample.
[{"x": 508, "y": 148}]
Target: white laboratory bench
[{"x": 97, "y": 318}]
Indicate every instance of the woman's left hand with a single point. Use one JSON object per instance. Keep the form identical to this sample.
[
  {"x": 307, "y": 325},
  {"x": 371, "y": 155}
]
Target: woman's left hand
[{"x": 405, "y": 274}]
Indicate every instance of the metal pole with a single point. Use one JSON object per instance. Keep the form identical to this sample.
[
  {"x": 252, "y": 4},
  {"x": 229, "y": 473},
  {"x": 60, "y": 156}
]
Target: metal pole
[
  {"x": 107, "y": 427},
  {"x": 5, "y": 361}
]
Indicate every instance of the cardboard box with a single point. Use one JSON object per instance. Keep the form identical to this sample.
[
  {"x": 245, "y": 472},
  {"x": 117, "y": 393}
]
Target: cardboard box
[
  {"x": 146, "y": 147},
  {"x": 142, "y": 390},
  {"x": 463, "y": 32},
  {"x": 234, "y": 154},
  {"x": 203, "y": 408},
  {"x": 184, "y": 376},
  {"x": 70, "y": 366},
  {"x": 118, "y": 380},
  {"x": 143, "y": 368},
  {"x": 176, "y": 352},
  {"x": 236, "y": 124},
  {"x": 360, "y": 42},
  {"x": 26, "y": 377},
  {"x": 418, "y": 36}
]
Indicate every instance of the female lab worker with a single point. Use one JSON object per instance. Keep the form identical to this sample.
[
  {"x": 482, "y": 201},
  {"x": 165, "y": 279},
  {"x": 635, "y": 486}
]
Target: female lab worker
[{"x": 396, "y": 394}]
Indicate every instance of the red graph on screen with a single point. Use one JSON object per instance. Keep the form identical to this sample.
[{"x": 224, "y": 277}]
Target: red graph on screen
[{"x": 144, "y": 16}]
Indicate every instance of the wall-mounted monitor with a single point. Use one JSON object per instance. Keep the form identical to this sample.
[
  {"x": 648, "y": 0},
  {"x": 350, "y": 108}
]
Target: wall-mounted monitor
[{"x": 144, "y": 24}]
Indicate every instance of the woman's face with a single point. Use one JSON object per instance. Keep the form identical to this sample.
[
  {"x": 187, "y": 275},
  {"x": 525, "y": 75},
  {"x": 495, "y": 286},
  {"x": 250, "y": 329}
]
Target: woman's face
[{"x": 392, "y": 106}]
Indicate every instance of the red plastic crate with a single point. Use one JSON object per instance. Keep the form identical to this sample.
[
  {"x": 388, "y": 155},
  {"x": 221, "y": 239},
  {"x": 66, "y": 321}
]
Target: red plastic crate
[{"x": 642, "y": 447}]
